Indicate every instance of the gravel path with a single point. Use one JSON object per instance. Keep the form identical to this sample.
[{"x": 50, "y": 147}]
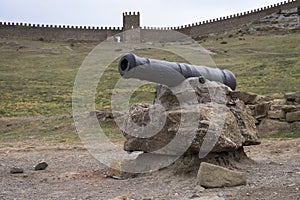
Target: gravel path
[{"x": 74, "y": 174}]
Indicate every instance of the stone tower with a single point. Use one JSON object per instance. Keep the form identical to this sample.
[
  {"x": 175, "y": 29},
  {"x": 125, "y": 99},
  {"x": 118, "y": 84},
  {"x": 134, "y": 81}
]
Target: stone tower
[
  {"x": 131, "y": 21},
  {"x": 131, "y": 27}
]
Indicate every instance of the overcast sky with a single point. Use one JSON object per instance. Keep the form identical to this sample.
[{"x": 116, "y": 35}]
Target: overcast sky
[{"x": 109, "y": 12}]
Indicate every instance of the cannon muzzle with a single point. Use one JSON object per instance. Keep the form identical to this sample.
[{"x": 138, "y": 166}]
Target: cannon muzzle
[{"x": 170, "y": 73}]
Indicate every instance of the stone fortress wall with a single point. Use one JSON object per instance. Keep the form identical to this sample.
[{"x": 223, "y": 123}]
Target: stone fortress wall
[
  {"x": 227, "y": 23},
  {"x": 132, "y": 21},
  {"x": 56, "y": 33}
]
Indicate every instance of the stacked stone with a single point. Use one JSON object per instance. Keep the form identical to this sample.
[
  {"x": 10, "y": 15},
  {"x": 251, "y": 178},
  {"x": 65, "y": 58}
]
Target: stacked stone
[
  {"x": 189, "y": 124},
  {"x": 291, "y": 111},
  {"x": 214, "y": 112},
  {"x": 273, "y": 115}
]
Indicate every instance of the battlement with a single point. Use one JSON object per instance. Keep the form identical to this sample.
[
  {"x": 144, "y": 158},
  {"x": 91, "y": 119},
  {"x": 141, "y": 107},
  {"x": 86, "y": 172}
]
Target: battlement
[
  {"x": 59, "y": 26},
  {"x": 156, "y": 28},
  {"x": 131, "y": 14}
]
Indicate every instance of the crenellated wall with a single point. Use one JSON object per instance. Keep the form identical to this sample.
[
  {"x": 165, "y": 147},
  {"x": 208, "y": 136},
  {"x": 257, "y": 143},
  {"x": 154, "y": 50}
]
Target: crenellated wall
[
  {"x": 132, "y": 21},
  {"x": 56, "y": 33},
  {"x": 225, "y": 23}
]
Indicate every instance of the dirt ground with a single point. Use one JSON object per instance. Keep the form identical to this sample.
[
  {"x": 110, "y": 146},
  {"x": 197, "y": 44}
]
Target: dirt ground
[{"x": 74, "y": 174}]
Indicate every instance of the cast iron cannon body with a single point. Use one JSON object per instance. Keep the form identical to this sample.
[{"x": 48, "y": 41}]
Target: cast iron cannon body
[{"x": 170, "y": 73}]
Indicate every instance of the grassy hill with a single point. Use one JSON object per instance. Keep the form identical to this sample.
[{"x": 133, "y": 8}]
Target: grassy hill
[
  {"x": 267, "y": 63},
  {"x": 37, "y": 77}
]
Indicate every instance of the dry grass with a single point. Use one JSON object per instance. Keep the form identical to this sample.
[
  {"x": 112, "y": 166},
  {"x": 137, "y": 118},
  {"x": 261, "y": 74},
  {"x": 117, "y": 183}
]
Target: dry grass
[{"x": 37, "y": 77}]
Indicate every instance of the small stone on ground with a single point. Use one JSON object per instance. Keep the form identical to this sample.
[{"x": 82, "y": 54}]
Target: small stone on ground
[
  {"x": 16, "y": 170},
  {"x": 212, "y": 197},
  {"x": 213, "y": 176},
  {"x": 41, "y": 166}
]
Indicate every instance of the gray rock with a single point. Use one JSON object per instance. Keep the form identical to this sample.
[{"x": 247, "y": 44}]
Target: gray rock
[
  {"x": 262, "y": 98},
  {"x": 116, "y": 170},
  {"x": 292, "y": 96},
  {"x": 290, "y": 108},
  {"x": 16, "y": 170},
  {"x": 144, "y": 162},
  {"x": 199, "y": 189},
  {"x": 268, "y": 126},
  {"x": 106, "y": 115},
  {"x": 295, "y": 126},
  {"x": 253, "y": 99},
  {"x": 293, "y": 116},
  {"x": 248, "y": 97},
  {"x": 213, "y": 176},
  {"x": 41, "y": 166},
  {"x": 276, "y": 114},
  {"x": 291, "y": 102},
  {"x": 202, "y": 117},
  {"x": 277, "y": 104},
  {"x": 192, "y": 92},
  {"x": 261, "y": 110},
  {"x": 208, "y": 197}
]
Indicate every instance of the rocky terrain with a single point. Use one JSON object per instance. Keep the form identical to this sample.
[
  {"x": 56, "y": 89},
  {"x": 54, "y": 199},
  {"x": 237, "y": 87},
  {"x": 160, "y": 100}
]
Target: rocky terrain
[{"x": 73, "y": 173}]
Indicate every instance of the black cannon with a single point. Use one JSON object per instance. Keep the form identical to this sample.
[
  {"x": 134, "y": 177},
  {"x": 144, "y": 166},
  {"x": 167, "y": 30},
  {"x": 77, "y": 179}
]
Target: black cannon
[{"x": 171, "y": 73}]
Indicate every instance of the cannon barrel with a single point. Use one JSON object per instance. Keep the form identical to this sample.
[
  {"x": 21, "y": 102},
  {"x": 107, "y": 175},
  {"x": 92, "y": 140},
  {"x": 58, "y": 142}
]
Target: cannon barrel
[{"x": 170, "y": 73}]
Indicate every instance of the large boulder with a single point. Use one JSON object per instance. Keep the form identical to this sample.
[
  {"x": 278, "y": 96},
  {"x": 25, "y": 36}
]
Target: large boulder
[{"x": 186, "y": 117}]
